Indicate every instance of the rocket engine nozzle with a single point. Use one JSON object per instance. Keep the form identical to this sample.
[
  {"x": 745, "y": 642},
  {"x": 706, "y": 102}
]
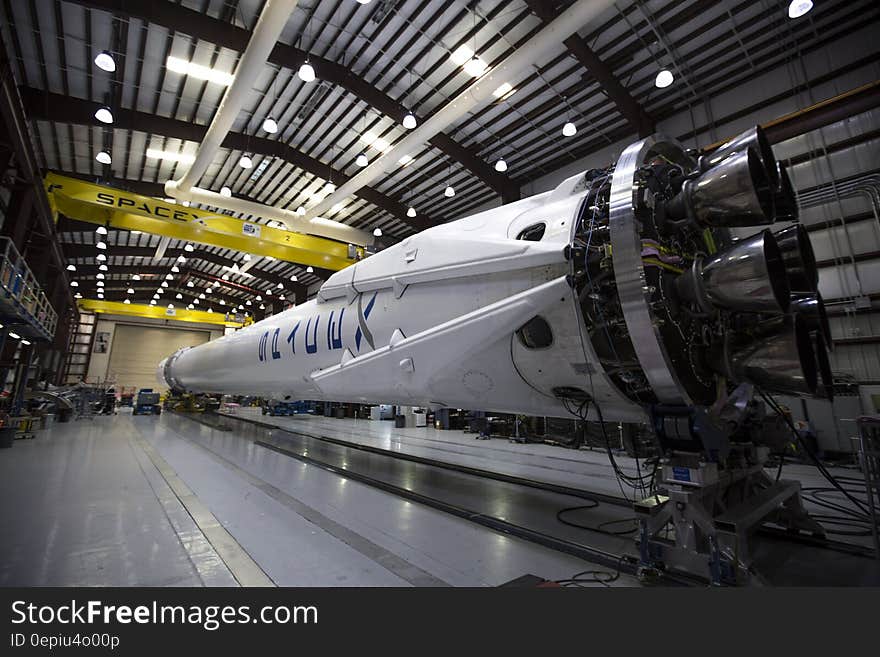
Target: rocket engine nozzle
[
  {"x": 778, "y": 356},
  {"x": 749, "y": 276},
  {"x": 785, "y": 200},
  {"x": 811, "y": 309},
  {"x": 755, "y": 139},
  {"x": 735, "y": 192},
  {"x": 800, "y": 261}
]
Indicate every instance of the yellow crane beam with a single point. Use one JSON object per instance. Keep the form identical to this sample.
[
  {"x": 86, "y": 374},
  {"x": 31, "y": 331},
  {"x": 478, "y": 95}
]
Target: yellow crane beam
[
  {"x": 115, "y": 208},
  {"x": 157, "y": 312}
]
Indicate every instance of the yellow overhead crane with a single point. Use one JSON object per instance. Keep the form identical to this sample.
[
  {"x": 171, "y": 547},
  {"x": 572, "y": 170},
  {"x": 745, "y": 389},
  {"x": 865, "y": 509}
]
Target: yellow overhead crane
[
  {"x": 115, "y": 208},
  {"x": 160, "y": 312}
]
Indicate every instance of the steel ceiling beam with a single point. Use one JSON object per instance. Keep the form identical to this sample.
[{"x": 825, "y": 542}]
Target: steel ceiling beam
[
  {"x": 59, "y": 108},
  {"x": 629, "y": 107},
  {"x": 201, "y": 26}
]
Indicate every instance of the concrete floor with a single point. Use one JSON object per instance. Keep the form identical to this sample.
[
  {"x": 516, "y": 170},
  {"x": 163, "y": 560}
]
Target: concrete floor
[{"x": 164, "y": 501}]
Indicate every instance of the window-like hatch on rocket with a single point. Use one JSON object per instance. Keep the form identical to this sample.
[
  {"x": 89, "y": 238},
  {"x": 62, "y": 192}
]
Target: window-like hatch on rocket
[
  {"x": 536, "y": 333},
  {"x": 532, "y": 233}
]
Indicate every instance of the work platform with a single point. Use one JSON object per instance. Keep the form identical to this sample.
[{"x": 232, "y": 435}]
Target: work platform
[{"x": 24, "y": 306}]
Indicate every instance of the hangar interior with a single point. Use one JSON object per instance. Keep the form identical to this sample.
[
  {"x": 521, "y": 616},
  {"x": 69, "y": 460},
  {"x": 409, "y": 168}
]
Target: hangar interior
[{"x": 187, "y": 185}]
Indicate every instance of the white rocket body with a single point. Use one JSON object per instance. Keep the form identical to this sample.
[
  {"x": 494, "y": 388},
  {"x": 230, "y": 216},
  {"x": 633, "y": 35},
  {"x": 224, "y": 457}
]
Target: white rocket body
[{"x": 430, "y": 321}]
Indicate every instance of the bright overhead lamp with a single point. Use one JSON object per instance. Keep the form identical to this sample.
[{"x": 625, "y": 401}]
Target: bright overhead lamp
[
  {"x": 189, "y": 307},
  {"x": 102, "y": 267},
  {"x": 225, "y": 191},
  {"x": 306, "y": 73},
  {"x": 74, "y": 284},
  {"x": 169, "y": 277},
  {"x": 101, "y": 230},
  {"x": 449, "y": 192},
  {"x": 104, "y": 115},
  {"x": 99, "y": 276},
  {"x": 259, "y": 298},
  {"x": 504, "y": 91},
  {"x": 300, "y": 211},
  {"x": 409, "y": 121},
  {"x": 362, "y": 160},
  {"x": 664, "y": 79},
  {"x": 411, "y": 212},
  {"x": 152, "y": 302},
  {"x": 208, "y": 290},
  {"x": 207, "y": 73},
  {"x": 461, "y": 55},
  {"x": 329, "y": 188},
  {"x": 310, "y": 269},
  {"x": 136, "y": 277},
  {"x": 98, "y": 283},
  {"x": 77, "y": 296},
  {"x": 175, "y": 269},
  {"x": 100, "y": 257},
  {"x": 222, "y": 302},
  {"x": 377, "y": 231},
  {"x": 190, "y": 284},
  {"x": 180, "y": 259},
  {"x": 156, "y": 296},
  {"x": 135, "y": 232},
  {"x": 196, "y": 301},
  {"x": 245, "y": 162},
  {"x": 71, "y": 267},
  {"x": 225, "y": 277},
  {"x": 158, "y": 154},
  {"x": 293, "y": 278},
  {"x": 248, "y": 303},
  {"x": 101, "y": 245},
  {"x": 247, "y": 257},
  {"x": 500, "y": 165},
  {"x": 798, "y": 8},
  {"x": 405, "y": 160},
  {"x": 25, "y": 342},
  {"x": 210, "y": 311},
  {"x": 269, "y": 293},
  {"x": 364, "y": 2},
  {"x": 100, "y": 296},
  {"x": 262, "y": 306},
  {"x": 202, "y": 295},
  {"x": 130, "y": 291},
  {"x": 104, "y": 157},
  {"x": 171, "y": 305},
  {"x": 104, "y": 61},
  {"x": 569, "y": 129},
  {"x": 270, "y": 125},
  {"x": 280, "y": 286},
  {"x": 126, "y": 301},
  {"x": 164, "y": 283},
  {"x": 178, "y": 296},
  {"x": 475, "y": 67}
]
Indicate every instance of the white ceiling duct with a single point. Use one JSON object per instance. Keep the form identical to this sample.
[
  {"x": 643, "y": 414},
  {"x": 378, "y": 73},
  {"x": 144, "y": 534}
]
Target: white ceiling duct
[{"x": 523, "y": 59}]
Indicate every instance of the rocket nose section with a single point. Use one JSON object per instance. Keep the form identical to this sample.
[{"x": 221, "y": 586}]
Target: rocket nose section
[{"x": 160, "y": 374}]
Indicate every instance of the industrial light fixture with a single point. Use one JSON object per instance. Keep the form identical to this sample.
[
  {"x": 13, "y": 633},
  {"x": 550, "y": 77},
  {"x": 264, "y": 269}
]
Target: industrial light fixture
[
  {"x": 505, "y": 90},
  {"x": 74, "y": 284},
  {"x": 156, "y": 296},
  {"x": 190, "y": 284},
  {"x": 181, "y": 259},
  {"x": 475, "y": 67},
  {"x": 461, "y": 55},
  {"x": 292, "y": 278},
  {"x": 104, "y": 157},
  {"x": 310, "y": 269},
  {"x": 101, "y": 245},
  {"x": 362, "y": 160},
  {"x": 300, "y": 211},
  {"x": 208, "y": 290},
  {"x": 77, "y": 296},
  {"x": 104, "y": 115},
  {"x": 196, "y": 301},
  {"x": 171, "y": 305},
  {"x": 411, "y": 212},
  {"x": 377, "y": 231},
  {"x": 178, "y": 296},
  {"x": 248, "y": 303},
  {"x": 409, "y": 121},
  {"x": 329, "y": 188},
  {"x": 169, "y": 277},
  {"x": 280, "y": 285},
  {"x": 270, "y": 125},
  {"x": 306, "y": 73},
  {"x": 100, "y": 296},
  {"x": 364, "y": 2},
  {"x": 225, "y": 191},
  {"x": 104, "y": 61},
  {"x": 569, "y": 129},
  {"x": 449, "y": 192},
  {"x": 136, "y": 277},
  {"x": 259, "y": 298},
  {"x": 222, "y": 302},
  {"x": 100, "y": 257},
  {"x": 247, "y": 257},
  {"x": 98, "y": 283},
  {"x": 99, "y": 276},
  {"x": 157, "y": 154},
  {"x": 152, "y": 302},
  {"x": 189, "y": 307},
  {"x": 245, "y": 162},
  {"x": 269, "y": 293},
  {"x": 210, "y": 311},
  {"x": 185, "y": 204},
  {"x": 164, "y": 283},
  {"x": 126, "y": 301},
  {"x": 664, "y": 79},
  {"x": 130, "y": 291},
  {"x": 202, "y": 295},
  {"x": 262, "y": 307},
  {"x": 175, "y": 269},
  {"x": 798, "y": 8},
  {"x": 102, "y": 267},
  {"x": 101, "y": 230},
  {"x": 405, "y": 160},
  {"x": 71, "y": 267},
  {"x": 225, "y": 277},
  {"x": 500, "y": 165},
  {"x": 197, "y": 71}
]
